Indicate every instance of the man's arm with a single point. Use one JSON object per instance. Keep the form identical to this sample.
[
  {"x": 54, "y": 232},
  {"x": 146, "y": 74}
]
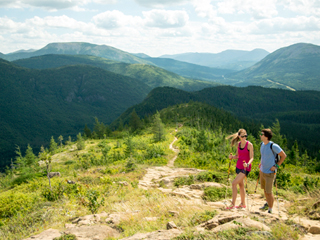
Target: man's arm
[{"x": 283, "y": 156}]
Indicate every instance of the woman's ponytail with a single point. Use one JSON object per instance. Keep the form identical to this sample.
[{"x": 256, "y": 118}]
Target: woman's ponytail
[{"x": 236, "y": 136}]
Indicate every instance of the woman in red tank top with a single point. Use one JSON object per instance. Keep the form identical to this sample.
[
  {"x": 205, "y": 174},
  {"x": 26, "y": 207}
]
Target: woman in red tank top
[{"x": 243, "y": 167}]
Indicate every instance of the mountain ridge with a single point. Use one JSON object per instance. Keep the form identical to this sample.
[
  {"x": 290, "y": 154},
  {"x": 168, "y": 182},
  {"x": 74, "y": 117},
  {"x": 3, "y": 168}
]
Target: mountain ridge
[
  {"x": 82, "y": 48},
  {"x": 219, "y": 60},
  {"x": 297, "y": 66}
]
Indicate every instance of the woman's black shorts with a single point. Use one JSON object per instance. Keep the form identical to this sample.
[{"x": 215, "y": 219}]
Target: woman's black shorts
[{"x": 242, "y": 170}]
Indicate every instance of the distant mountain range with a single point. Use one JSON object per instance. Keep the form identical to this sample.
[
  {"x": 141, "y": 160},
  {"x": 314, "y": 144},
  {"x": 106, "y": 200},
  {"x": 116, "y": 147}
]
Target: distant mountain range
[
  {"x": 38, "y": 104},
  {"x": 151, "y": 75},
  {"x": 229, "y": 59},
  {"x": 192, "y": 70},
  {"x": 78, "y": 48},
  {"x": 293, "y": 67}
]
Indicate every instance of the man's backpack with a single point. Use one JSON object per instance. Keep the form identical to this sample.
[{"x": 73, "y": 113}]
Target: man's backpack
[{"x": 277, "y": 157}]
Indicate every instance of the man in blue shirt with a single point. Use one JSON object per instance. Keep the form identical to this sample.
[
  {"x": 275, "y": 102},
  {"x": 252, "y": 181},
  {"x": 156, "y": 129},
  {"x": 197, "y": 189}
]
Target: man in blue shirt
[{"x": 268, "y": 166}]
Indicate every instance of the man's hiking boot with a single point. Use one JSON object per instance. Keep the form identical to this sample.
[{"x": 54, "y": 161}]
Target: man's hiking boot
[
  {"x": 264, "y": 207},
  {"x": 270, "y": 211}
]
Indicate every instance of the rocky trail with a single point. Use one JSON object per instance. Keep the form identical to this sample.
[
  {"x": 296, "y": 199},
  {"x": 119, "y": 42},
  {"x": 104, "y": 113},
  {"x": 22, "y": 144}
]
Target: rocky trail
[{"x": 91, "y": 227}]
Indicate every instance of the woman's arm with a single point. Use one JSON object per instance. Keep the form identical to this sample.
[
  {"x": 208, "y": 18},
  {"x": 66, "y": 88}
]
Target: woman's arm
[
  {"x": 251, "y": 152},
  {"x": 250, "y": 148}
]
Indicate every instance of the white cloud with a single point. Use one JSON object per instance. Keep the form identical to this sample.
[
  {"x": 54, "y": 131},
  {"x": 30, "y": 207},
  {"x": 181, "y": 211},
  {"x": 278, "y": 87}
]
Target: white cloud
[
  {"x": 308, "y": 7},
  {"x": 115, "y": 19},
  {"x": 52, "y": 5},
  {"x": 161, "y": 3},
  {"x": 204, "y": 8},
  {"x": 165, "y": 18},
  {"x": 55, "y": 22},
  {"x": 257, "y": 9},
  {"x": 280, "y": 25}
]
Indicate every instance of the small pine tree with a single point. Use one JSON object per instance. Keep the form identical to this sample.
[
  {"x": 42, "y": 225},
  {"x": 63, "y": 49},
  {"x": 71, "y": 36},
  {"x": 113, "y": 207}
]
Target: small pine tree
[
  {"x": 60, "y": 140},
  {"x": 120, "y": 126},
  {"x": 30, "y": 158},
  {"x": 158, "y": 128},
  {"x": 80, "y": 142},
  {"x": 129, "y": 146},
  {"x": 20, "y": 163},
  {"x": 87, "y": 131},
  {"x": 135, "y": 122},
  {"x": 53, "y": 145},
  {"x": 99, "y": 128}
]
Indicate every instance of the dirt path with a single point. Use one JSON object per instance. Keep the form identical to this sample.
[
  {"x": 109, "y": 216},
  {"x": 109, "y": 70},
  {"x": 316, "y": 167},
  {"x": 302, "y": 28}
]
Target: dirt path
[
  {"x": 163, "y": 179},
  {"x": 290, "y": 88}
]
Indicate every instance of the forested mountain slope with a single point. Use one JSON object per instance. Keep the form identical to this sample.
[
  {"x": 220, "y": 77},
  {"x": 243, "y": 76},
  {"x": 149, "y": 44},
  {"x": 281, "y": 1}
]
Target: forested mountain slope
[{"x": 38, "y": 104}]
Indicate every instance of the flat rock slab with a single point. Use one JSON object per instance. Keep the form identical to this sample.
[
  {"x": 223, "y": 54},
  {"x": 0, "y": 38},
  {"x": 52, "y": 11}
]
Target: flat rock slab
[
  {"x": 49, "y": 234},
  {"x": 242, "y": 222},
  {"x": 310, "y": 237},
  {"x": 96, "y": 232},
  {"x": 156, "y": 235}
]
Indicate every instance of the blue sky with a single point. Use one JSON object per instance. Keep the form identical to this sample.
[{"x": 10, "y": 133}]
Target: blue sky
[{"x": 158, "y": 27}]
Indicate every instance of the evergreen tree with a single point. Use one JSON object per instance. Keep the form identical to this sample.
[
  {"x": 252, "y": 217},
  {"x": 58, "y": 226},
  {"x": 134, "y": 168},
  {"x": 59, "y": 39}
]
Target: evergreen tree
[
  {"x": 135, "y": 122},
  {"x": 294, "y": 154},
  {"x": 158, "y": 128},
  {"x": 99, "y": 128},
  {"x": 80, "y": 142},
  {"x": 120, "y": 126},
  {"x": 19, "y": 159},
  {"x": 53, "y": 145},
  {"x": 87, "y": 131},
  {"x": 30, "y": 158},
  {"x": 60, "y": 140},
  {"x": 129, "y": 146},
  {"x": 276, "y": 136}
]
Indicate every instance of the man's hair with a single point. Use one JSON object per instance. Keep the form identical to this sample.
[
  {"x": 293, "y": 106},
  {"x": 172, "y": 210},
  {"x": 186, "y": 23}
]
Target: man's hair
[{"x": 267, "y": 133}]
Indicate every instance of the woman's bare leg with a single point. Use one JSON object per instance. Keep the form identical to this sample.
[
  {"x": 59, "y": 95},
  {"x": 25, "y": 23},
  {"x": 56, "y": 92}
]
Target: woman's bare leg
[{"x": 236, "y": 181}]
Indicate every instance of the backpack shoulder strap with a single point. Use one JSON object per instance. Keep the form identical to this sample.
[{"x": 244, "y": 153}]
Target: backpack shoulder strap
[{"x": 271, "y": 146}]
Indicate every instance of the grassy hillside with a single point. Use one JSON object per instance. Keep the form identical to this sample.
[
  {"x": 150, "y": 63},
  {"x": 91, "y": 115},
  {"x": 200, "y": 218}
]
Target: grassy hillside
[
  {"x": 296, "y": 66},
  {"x": 151, "y": 75},
  {"x": 107, "y": 173},
  {"x": 79, "y": 48},
  {"x": 38, "y": 104},
  {"x": 297, "y": 111}
]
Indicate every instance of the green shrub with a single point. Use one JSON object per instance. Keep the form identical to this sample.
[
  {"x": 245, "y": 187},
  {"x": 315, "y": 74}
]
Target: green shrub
[
  {"x": 199, "y": 218},
  {"x": 14, "y": 202},
  {"x": 25, "y": 177},
  {"x": 180, "y": 181},
  {"x": 156, "y": 161},
  {"x": 209, "y": 176},
  {"x": 214, "y": 194},
  {"x": 66, "y": 237},
  {"x": 55, "y": 193},
  {"x": 93, "y": 203},
  {"x": 130, "y": 165},
  {"x": 69, "y": 162}
]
